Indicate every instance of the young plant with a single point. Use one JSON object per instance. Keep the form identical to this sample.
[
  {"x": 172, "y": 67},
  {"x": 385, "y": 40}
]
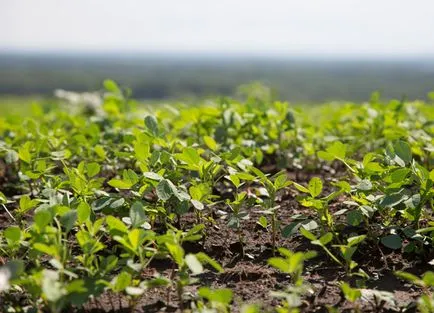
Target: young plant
[
  {"x": 351, "y": 295},
  {"x": 214, "y": 300},
  {"x": 188, "y": 265},
  {"x": 425, "y": 303},
  {"x": 272, "y": 186},
  {"x": 238, "y": 205},
  {"x": 292, "y": 263},
  {"x": 347, "y": 252},
  {"x": 312, "y": 200}
]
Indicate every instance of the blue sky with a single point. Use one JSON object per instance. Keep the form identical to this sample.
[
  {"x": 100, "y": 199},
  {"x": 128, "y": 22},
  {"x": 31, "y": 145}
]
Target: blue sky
[{"x": 284, "y": 27}]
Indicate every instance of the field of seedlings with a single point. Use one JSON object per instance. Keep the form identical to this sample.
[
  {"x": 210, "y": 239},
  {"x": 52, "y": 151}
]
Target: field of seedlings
[{"x": 226, "y": 206}]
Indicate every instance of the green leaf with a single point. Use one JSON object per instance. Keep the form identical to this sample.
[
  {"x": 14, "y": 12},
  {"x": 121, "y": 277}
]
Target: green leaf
[
  {"x": 290, "y": 229},
  {"x": 325, "y": 239},
  {"x": 281, "y": 181},
  {"x": 392, "y": 241},
  {"x": 42, "y": 218},
  {"x": 428, "y": 279},
  {"x": 111, "y": 86},
  {"x": 307, "y": 234},
  {"x": 177, "y": 253},
  {"x": 296, "y": 262},
  {"x": 117, "y": 203},
  {"x": 301, "y": 188},
  {"x": 152, "y": 124},
  {"x": 27, "y": 204},
  {"x": 116, "y": 224},
  {"x": 134, "y": 236},
  {"x": 355, "y": 217},
  {"x": 3, "y": 198},
  {"x": 99, "y": 150},
  {"x": 205, "y": 259},
  {"x": 210, "y": 142},
  {"x": 374, "y": 167},
  {"x": 12, "y": 234},
  {"x": 101, "y": 203},
  {"x": 235, "y": 180},
  {"x": 165, "y": 189},
  {"x": 197, "y": 205},
  {"x": 193, "y": 264},
  {"x": 263, "y": 221},
  {"x": 137, "y": 214},
  {"x": 142, "y": 151},
  {"x": 83, "y": 212},
  {"x": 42, "y": 247},
  {"x": 156, "y": 282},
  {"x": 325, "y": 156},
  {"x": 200, "y": 191},
  {"x": 190, "y": 156},
  {"x": 403, "y": 151},
  {"x": 409, "y": 277},
  {"x": 279, "y": 263},
  {"x": 24, "y": 153},
  {"x": 93, "y": 169},
  {"x": 399, "y": 175},
  {"x": 152, "y": 176},
  {"x": 120, "y": 184},
  {"x": 337, "y": 150},
  {"x": 68, "y": 220},
  {"x": 355, "y": 240},
  {"x": 245, "y": 176},
  {"x": 393, "y": 199},
  {"x": 351, "y": 294},
  {"x": 315, "y": 187},
  {"x": 121, "y": 282},
  {"x": 130, "y": 176},
  {"x": 257, "y": 172},
  {"x": 223, "y": 295}
]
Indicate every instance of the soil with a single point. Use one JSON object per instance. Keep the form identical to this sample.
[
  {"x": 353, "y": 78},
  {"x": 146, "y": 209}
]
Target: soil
[{"x": 252, "y": 280}]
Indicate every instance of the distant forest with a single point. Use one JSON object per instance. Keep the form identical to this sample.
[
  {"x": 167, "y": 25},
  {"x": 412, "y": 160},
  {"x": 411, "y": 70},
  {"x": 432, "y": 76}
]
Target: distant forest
[{"x": 161, "y": 77}]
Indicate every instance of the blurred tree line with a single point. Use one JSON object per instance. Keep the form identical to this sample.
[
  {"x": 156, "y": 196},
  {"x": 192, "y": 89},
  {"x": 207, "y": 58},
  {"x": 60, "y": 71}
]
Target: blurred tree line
[{"x": 160, "y": 77}]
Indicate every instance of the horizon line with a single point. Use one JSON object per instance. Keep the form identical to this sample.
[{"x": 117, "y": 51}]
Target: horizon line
[{"x": 219, "y": 54}]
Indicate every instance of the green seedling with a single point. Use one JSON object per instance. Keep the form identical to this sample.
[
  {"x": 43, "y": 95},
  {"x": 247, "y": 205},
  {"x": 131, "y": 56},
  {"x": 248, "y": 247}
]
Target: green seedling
[
  {"x": 270, "y": 206},
  {"x": 323, "y": 241},
  {"x": 320, "y": 205},
  {"x": 348, "y": 250},
  {"x": 351, "y": 295},
  {"x": 216, "y": 300},
  {"x": 238, "y": 205},
  {"x": 188, "y": 265},
  {"x": 292, "y": 263}
]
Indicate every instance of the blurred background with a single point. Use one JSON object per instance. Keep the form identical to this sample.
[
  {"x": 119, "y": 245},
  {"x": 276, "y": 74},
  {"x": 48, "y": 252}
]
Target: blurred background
[{"x": 306, "y": 51}]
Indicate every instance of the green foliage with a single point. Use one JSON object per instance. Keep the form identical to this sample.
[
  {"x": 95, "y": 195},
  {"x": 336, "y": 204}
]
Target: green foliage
[{"x": 94, "y": 199}]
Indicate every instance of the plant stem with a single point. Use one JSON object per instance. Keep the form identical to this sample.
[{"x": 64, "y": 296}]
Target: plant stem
[
  {"x": 240, "y": 239},
  {"x": 9, "y": 213},
  {"x": 273, "y": 232},
  {"x": 180, "y": 291}
]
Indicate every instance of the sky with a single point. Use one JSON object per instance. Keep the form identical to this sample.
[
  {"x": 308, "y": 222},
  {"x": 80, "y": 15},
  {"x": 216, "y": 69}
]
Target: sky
[{"x": 284, "y": 27}]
